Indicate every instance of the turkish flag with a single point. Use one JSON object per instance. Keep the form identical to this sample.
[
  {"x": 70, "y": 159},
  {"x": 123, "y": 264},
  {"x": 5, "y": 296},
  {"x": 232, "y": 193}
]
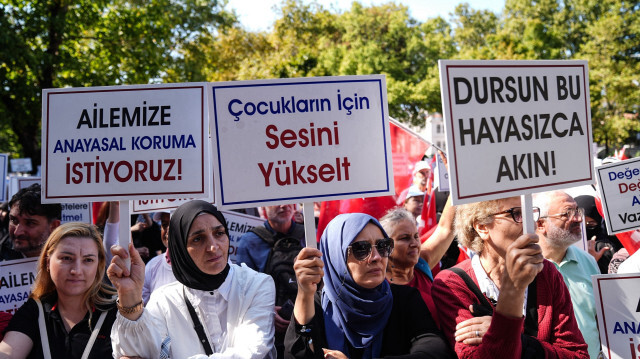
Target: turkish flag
[{"x": 407, "y": 148}]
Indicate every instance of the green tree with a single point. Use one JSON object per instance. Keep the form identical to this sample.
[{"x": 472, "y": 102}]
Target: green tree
[{"x": 62, "y": 43}]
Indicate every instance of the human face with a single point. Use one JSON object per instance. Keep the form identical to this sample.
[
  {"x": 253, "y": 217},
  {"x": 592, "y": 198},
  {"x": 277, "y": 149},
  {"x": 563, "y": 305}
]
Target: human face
[
  {"x": 280, "y": 214},
  {"x": 562, "y": 231},
  {"x": 29, "y": 232},
  {"x": 165, "y": 219},
  {"x": 370, "y": 272},
  {"x": 208, "y": 244},
  {"x": 502, "y": 231},
  {"x": 406, "y": 250},
  {"x": 421, "y": 177},
  {"x": 414, "y": 205},
  {"x": 73, "y": 266}
]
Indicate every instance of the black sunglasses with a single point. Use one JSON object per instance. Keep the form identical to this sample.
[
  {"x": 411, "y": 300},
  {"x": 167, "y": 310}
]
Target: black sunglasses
[
  {"x": 362, "y": 250},
  {"x": 516, "y": 214}
]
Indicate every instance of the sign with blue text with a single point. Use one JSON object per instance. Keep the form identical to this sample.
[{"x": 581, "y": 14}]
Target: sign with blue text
[
  {"x": 125, "y": 142},
  {"x": 16, "y": 278},
  {"x": 515, "y": 127},
  {"x": 617, "y": 299},
  {"x": 300, "y": 140},
  {"x": 619, "y": 188}
]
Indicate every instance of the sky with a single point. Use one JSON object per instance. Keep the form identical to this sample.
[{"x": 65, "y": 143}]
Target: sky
[{"x": 258, "y": 15}]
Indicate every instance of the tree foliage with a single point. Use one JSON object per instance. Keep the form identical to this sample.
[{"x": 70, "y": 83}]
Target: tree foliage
[{"x": 62, "y": 43}]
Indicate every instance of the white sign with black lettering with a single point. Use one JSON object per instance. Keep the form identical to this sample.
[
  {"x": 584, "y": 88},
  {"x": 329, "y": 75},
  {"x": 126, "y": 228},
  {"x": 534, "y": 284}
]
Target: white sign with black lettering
[{"x": 516, "y": 127}]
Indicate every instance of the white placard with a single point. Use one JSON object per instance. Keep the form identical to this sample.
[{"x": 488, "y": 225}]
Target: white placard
[
  {"x": 618, "y": 310},
  {"x": 76, "y": 212},
  {"x": 16, "y": 278},
  {"x": 3, "y": 177},
  {"x": 301, "y": 140},
  {"x": 619, "y": 186},
  {"x": 125, "y": 142},
  {"x": 16, "y": 183},
  {"x": 21, "y": 165},
  {"x": 155, "y": 205},
  {"x": 442, "y": 175},
  {"x": 239, "y": 224},
  {"x": 516, "y": 127}
]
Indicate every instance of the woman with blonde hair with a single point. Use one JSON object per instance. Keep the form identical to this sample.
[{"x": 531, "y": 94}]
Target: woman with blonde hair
[{"x": 71, "y": 310}]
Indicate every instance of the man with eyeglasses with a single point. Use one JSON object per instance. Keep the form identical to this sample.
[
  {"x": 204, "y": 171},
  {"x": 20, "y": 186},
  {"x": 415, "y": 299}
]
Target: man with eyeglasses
[{"x": 558, "y": 228}]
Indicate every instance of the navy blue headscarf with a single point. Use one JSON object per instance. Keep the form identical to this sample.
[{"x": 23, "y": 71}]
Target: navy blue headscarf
[{"x": 351, "y": 311}]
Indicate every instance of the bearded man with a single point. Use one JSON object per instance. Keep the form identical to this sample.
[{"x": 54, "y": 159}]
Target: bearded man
[{"x": 558, "y": 228}]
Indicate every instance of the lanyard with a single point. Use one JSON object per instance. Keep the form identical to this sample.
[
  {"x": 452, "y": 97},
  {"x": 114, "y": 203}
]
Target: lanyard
[{"x": 46, "y": 351}]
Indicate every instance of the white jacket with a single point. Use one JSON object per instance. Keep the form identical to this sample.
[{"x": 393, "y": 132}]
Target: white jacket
[{"x": 249, "y": 301}]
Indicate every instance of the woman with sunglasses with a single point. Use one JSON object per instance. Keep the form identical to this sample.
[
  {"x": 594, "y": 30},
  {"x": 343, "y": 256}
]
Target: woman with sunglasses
[
  {"x": 507, "y": 299},
  {"x": 358, "y": 314}
]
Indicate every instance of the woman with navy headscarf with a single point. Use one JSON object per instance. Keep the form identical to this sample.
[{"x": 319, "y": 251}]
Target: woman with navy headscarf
[{"x": 358, "y": 314}]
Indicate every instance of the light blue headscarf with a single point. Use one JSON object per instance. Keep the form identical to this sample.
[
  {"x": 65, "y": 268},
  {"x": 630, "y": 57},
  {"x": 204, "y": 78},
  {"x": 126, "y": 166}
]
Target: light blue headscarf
[{"x": 351, "y": 311}]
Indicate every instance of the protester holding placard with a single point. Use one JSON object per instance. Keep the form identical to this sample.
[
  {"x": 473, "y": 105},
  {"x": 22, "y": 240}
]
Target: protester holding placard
[
  {"x": 30, "y": 223},
  {"x": 507, "y": 299},
  {"x": 233, "y": 304},
  {"x": 558, "y": 228},
  {"x": 359, "y": 314},
  {"x": 71, "y": 310}
]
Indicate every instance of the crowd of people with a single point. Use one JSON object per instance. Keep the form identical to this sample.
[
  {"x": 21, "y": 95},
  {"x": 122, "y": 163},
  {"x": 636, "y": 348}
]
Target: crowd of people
[{"x": 374, "y": 287}]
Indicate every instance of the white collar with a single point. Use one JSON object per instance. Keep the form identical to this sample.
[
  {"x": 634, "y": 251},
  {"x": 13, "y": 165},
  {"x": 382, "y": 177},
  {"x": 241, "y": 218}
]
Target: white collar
[
  {"x": 487, "y": 286},
  {"x": 196, "y": 295}
]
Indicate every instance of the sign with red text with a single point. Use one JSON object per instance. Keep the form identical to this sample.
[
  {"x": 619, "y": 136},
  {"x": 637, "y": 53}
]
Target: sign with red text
[
  {"x": 155, "y": 205},
  {"x": 239, "y": 224},
  {"x": 619, "y": 188},
  {"x": 16, "y": 278},
  {"x": 125, "y": 142},
  {"x": 515, "y": 127},
  {"x": 301, "y": 140},
  {"x": 617, "y": 299}
]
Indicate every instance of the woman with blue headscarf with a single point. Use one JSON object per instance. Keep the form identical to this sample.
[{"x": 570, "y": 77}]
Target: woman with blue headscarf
[{"x": 358, "y": 313}]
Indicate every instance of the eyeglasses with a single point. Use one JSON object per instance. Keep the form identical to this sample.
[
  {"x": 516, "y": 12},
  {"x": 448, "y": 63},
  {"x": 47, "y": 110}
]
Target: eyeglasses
[
  {"x": 362, "y": 250},
  {"x": 516, "y": 214},
  {"x": 568, "y": 214}
]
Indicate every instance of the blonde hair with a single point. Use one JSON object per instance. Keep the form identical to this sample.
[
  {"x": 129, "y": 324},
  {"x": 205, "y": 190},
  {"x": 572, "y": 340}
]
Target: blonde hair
[
  {"x": 99, "y": 293},
  {"x": 467, "y": 215}
]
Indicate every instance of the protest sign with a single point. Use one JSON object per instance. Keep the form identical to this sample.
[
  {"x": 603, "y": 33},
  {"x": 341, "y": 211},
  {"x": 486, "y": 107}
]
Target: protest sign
[
  {"x": 155, "y": 205},
  {"x": 3, "y": 176},
  {"x": 617, "y": 299},
  {"x": 21, "y": 165},
  {"x": 618, "y": 186},
  {"x": 76, "y": 212},
  {"x": 125, "y": 142},
  {"x": 515, "y": 127},
  {"x": 16, "y": 278},
  {"x": 442, "y": 175},
  {"x": 239, "y": 224},
  {"x": 17, "y": 183},
  {"x": 301, "y": 140}
]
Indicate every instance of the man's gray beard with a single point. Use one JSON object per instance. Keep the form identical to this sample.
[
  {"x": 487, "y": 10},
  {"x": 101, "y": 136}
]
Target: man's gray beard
[{"x": 559, "y": 237}]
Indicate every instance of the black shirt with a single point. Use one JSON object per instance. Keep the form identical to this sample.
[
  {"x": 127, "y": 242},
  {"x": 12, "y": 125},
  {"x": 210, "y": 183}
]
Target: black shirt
[
  {"x": 410, "y": 331},
  {"x": 61, "y": 343}
]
